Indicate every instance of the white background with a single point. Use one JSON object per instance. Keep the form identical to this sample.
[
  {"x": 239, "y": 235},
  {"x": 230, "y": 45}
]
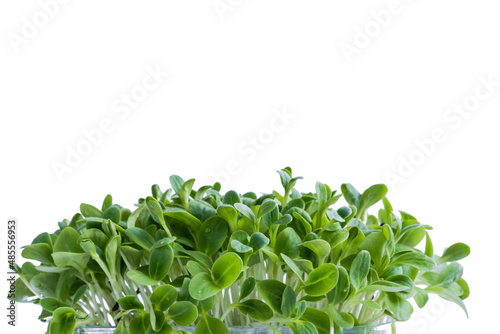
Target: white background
[{"x": 351, "y": 121}]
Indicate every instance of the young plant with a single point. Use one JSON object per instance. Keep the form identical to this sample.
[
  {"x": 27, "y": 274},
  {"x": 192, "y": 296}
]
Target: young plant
[{"x": 198, "y": 257}]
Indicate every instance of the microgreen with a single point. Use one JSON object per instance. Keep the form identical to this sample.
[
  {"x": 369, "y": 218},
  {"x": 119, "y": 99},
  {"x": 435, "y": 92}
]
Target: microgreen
[{"x": 212, "y": 260}]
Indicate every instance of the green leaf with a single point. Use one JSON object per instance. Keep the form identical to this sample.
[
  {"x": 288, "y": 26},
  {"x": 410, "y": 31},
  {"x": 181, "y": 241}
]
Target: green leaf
[
  {"x": 44, "y": 284},
  {"x": 206, "y": 305},
  {"x": 450, "y": 274},
  {"x": 63, "y": 321},
  {"x": 341, "y": 290},
  {"x": 202, "y": 287},
  {"x": 195, "y": 268},
  {"x": 421, "y": 297},
  {"x": 399, "y": 308},
  {"x": 39, "y": 252},
  {"x": 184, "y": 313},
  {"x": 318, "y": 318},
  {"x": 199, "y": 256},
  {"x": 285, "y": 177},
  {"x": 303, "y": 327},
  {"x": 212, "y": 234},
  {"x": 337, "y": 237},
  {"x": 97, "y": 236},
  {"x": 288, "y": 303},
  {"x": 138, "y": 217},
  {"x": 139, "y": 324},
  {"x": 107, "y": 203},
  {"x": 302, "y": 217},
  {"x": 182, "y": 216},
  {"x": 465, "y": 288},
  {"x": 375, "y": 243},
  {"x": 111, "y": 253},
  {"x": 329, "y": 203},
  {"x": 413, "y": 236},
  {"x": 247, "y": 287},
  {"x": 231, "y": 198},
  {"x": 320, "y": 247},
  {"x": 257, "y": 241},
  {"x": 369, "y": 197},
  {"x": 51, "y": 304},
  {"x": 371, "y": 304},
  {"x": 155, "y": 209},
  {"x": 297, "y": 202},
  {"x": 201, "y": 209},
  {"x": 266, "y": 208},
  {"x": 321, "y": 193},
  {"x": 185, "y": 192},
  {"x": 114, "y": 214},
  {"x": 350, "y": 193},
  {"x": 67, "y": 241},
  {"x": 210, "y": 325},
  {"x": 121, "y": 329},
  {"x": 80, "y": 293},
  {"x": 288, "y": 243},
  {"x": 130, "y": 303},
  {"x": 239, "y": 247},
  {"x": 385, "y": 285},
  {"x": 229, "y": 214},
  {"x": 176, "y": 182},
  {"x": 291, "y": 263},
  {"x": 157, "y": 320},
  {"x": 271, "y": 292},
  {"x": 78, "y": 261},
  {"x": 226, "y": 269},
  {"x": 163, "y": 297},
  {"x": 454, "y": 253},
  {"x": 141, "y": 278},
  {"x": 321, "y": 280},
  {"x": 343, "y": 319},
  {"x": 414, "y": 259},
  {"x": 160, "y": 261},
  {"x": 285, "y": 220},
  {"x": 132, "y": 255},
  {"x": 255, "y": 309},
  {"x": 359, "y": 269},
  {"x": 88, "y": 210},
  {"x": 140, "y": 237},
  {"x": 429, "y": 248},
  {"x": 22, "y": 293},
  {"x": 245, "y": 211}
]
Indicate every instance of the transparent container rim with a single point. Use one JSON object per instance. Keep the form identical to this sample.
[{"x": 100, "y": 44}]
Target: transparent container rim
[{"x": 380, "y": 325}]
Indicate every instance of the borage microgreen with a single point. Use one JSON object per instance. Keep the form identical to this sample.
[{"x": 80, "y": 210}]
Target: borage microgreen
[{"x": 198, "y": 257}]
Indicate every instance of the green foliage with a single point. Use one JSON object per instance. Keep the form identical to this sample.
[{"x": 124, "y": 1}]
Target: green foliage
[{"x": 211, "y": 260}]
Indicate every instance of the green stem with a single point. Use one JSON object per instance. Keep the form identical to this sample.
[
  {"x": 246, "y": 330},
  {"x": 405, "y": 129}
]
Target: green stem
[
  {"x": 164, "y": 225},
  {"x": 98, "y": 312},
  {"x": 393, "y": 325},
  {"x": 226, "y": 313}
]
